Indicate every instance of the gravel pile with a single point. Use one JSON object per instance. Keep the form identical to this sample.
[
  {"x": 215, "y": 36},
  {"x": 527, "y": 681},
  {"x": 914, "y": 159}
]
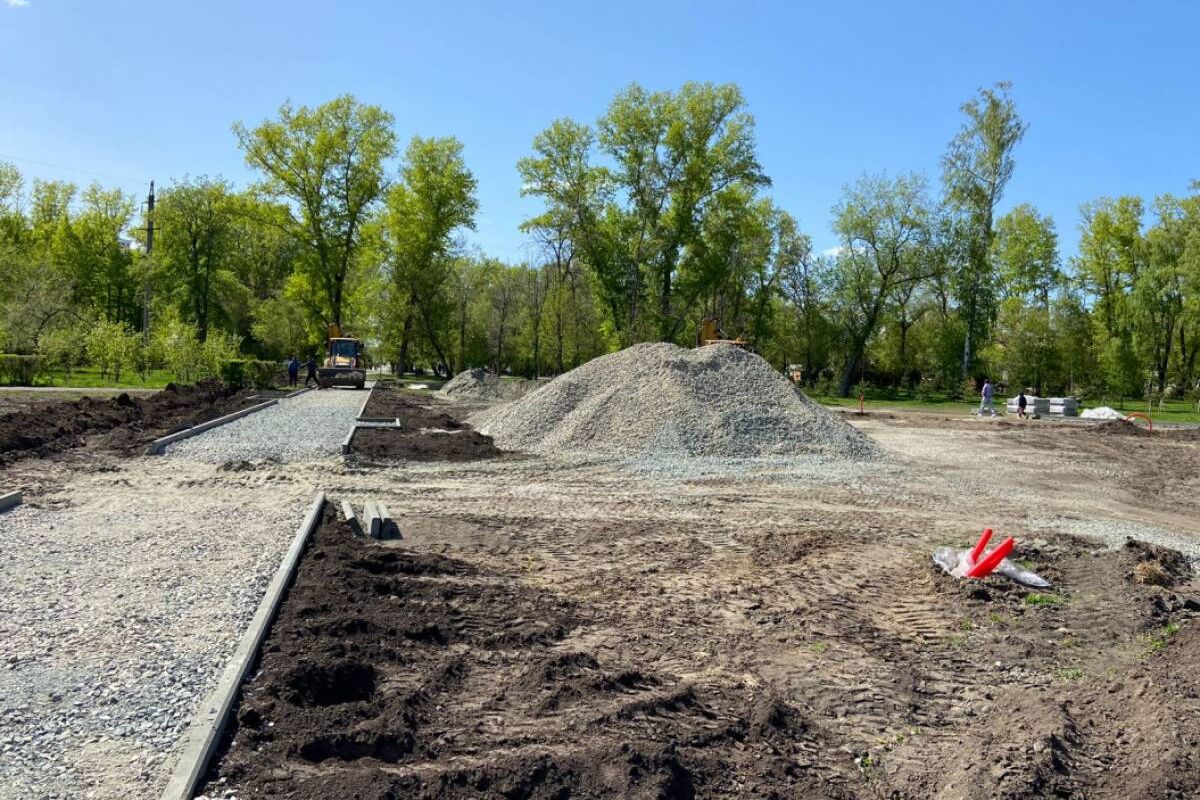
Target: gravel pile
[
  {"x": 654, "y": 400},
  {"x": 480, "y": 385},
  {"x": 309, "y": 427},
  {"x": 1102, "y": 412}
]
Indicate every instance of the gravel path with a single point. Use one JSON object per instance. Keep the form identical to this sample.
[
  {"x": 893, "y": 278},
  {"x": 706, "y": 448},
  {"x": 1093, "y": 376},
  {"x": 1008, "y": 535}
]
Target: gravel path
[
  {"x": 121, "y": 600},
  {"x": 311, "y": 426}
]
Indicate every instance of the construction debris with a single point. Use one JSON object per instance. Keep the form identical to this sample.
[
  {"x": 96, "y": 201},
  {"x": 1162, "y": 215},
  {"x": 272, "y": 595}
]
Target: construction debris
[
  {"x": 974, "y": 563},
  {"x": 663, "y": 400}
]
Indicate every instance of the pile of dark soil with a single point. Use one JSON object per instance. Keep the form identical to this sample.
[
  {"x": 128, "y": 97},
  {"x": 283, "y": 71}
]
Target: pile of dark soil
[
  {"x": 390, "y": 673},
  {"x": 122, "y": 424},
  {"x": 427, "y": 432},
  {"x": 1119, "y": 427},
  {"x": 383, "y": 444}
]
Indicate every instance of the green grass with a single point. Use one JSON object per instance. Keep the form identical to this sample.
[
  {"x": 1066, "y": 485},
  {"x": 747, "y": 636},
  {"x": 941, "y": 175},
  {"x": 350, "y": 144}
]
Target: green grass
[
  {"x": 1159, "y": 640},
  {"x": 1036, "y": 599}
]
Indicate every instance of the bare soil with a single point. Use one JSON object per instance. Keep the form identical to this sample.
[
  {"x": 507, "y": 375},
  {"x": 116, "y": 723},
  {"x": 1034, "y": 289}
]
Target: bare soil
[
  {"x": 122, "y": 424},
  {"x": 552, "y": 629},
  {"x": 430, "y": 430}
]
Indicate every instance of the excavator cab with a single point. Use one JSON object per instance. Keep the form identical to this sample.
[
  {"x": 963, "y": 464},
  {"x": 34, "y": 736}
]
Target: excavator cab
[{"x": 345, "y": 363}]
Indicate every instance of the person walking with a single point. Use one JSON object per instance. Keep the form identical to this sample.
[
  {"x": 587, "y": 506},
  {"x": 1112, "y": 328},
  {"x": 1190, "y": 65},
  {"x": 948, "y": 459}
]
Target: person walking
[
  {"x": 311, "y": 366},
  {"x": 985, "y": 402},
  {"x": 293, "y": 368},
  {"x": 1022, "y": 402}
]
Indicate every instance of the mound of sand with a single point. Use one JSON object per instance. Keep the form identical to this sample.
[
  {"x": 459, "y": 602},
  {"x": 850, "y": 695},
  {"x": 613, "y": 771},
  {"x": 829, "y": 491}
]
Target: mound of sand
[
  {"x": 479, "y": 385},
  {"x": 663, "y": 400}
]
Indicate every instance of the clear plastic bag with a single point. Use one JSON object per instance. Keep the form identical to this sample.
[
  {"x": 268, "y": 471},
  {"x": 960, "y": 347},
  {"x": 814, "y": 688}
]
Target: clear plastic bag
[{"x": 958, "y": 563}]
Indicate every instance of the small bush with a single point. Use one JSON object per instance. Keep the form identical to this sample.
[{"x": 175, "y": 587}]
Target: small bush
[
  {"x": 233, "y": 373},
  {"x": 261, "y": 374},
  {"x": 112, "y": 346},
  {"x": 19, "y": 370}
]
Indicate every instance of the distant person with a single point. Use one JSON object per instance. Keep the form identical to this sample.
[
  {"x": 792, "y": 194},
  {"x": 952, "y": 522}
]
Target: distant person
[
  {"x": 1022, "y": 402},
  {"x": 311, "y": 366},
  {"x": 985, "y": 402},
  {"x": 293, "y": 368}
]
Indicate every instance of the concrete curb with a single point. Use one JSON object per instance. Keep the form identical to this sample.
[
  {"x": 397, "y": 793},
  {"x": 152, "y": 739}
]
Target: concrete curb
[
  {"x": 158, "y": 445},
  {"x": 10, "y": 500},
  {"x": 363, "y": 407},
  {"x": 297, "y": 393},
  {"x": 203, "y": 736}
]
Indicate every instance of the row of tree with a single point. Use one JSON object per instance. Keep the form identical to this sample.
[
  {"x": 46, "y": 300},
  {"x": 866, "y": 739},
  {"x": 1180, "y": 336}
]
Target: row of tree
[{"x": 653, "y": 218}]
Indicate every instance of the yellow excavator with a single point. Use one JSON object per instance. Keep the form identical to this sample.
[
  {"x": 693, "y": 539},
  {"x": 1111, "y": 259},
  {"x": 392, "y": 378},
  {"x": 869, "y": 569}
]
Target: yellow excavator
[
  {"x": 345, "y": 363},
  {"x": 710, "y": 333}
]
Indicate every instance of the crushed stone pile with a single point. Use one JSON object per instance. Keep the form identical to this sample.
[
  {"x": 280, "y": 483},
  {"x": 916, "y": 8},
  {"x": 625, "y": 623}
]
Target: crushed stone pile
[
  {"x": 662, "y": 400},
  {"x": 1101, "y": 412},
  {"x": 481, "y": 385}
]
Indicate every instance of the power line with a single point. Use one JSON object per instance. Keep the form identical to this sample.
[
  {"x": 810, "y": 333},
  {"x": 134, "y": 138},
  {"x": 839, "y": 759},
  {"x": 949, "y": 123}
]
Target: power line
[{"x": 92, "y": 173}]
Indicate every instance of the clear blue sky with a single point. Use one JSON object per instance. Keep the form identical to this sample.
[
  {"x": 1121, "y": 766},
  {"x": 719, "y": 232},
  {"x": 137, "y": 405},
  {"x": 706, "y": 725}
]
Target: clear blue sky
[{"x": 128, "y": 91}]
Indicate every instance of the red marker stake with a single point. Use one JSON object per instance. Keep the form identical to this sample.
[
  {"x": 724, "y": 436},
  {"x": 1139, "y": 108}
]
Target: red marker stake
[
  {"x": 983, "y": 542},
  {"x": 993, "y": 559}
]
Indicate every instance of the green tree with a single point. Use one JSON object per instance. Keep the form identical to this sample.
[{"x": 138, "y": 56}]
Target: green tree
[
  {"x": 433, "y": 200},
  {"x": 328, "y": 165},
  {"x": 884, "y": 225},
  {"x": 195, "y": 220},
  {"x": 976, "y": 169},
  {"x": 1026, "y": 254}
]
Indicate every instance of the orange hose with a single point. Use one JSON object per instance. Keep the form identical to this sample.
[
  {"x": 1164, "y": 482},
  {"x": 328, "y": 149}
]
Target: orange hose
[{"x": 1140, "y": 415}]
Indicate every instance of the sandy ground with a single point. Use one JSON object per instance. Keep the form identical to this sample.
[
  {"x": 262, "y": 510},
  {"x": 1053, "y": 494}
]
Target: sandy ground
[{"x": 812, "y": 584}]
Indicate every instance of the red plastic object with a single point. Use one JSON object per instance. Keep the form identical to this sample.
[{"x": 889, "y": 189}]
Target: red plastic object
[
  {"x": 983, "y": 542},
  {"x": 1149, "y": 422},
  {"x": 992, "y": 560}
]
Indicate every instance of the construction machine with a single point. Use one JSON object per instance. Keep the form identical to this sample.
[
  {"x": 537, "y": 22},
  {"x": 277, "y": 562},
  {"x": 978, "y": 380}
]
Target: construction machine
[
  {"x": 711, "y": 333},
  {"x": 345, "y": 363}
]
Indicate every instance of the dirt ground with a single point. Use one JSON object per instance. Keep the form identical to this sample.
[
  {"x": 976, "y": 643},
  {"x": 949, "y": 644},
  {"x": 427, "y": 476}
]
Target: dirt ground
[
  {"x": 125, "y": 423},
  {"x": 553, "y": 628},
  {"x": 430, "y": 430}
]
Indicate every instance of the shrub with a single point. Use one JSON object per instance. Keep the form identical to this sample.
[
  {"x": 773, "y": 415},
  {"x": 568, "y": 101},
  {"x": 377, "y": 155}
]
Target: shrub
[
  {"x": 233, "y": 373},
  {"x": 261, "y": 374},
  {"x": 219, "y": 348},
  {"x": 176, "y": 347},
  {"x": 62, "y": 348},
  {"x": 19, "y": 370},
  {"x": 112, "y": 346}
]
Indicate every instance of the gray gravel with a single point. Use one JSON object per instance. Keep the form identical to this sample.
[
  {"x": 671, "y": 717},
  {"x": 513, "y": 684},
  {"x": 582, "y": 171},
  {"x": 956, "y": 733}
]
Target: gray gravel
[
  {"x": 1113, "y": 533},
  {"x": 118, "y": 617},
  {"x": 311, "y": 426},
  {"x": 478, "y": 384},
  {"x": 661, "y": 400}
]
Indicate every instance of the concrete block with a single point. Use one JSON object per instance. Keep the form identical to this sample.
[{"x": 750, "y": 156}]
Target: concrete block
[
  {"x": 10, "y": 500},
  {"x": 372, "y": 521}
]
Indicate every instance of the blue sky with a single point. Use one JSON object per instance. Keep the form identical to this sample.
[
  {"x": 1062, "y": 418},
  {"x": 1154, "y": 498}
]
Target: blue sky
[{"x": 128, "y": 91}]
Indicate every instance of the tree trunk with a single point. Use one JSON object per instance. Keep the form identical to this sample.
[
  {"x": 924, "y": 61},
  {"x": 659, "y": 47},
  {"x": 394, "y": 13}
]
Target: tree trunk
[
  {"x": 857, "y": 350},
  {"x": 404, "y": 340}
]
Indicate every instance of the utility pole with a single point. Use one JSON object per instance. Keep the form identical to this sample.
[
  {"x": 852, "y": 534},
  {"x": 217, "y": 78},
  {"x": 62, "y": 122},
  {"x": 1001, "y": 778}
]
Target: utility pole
[{"x": 149, "y": 262}]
